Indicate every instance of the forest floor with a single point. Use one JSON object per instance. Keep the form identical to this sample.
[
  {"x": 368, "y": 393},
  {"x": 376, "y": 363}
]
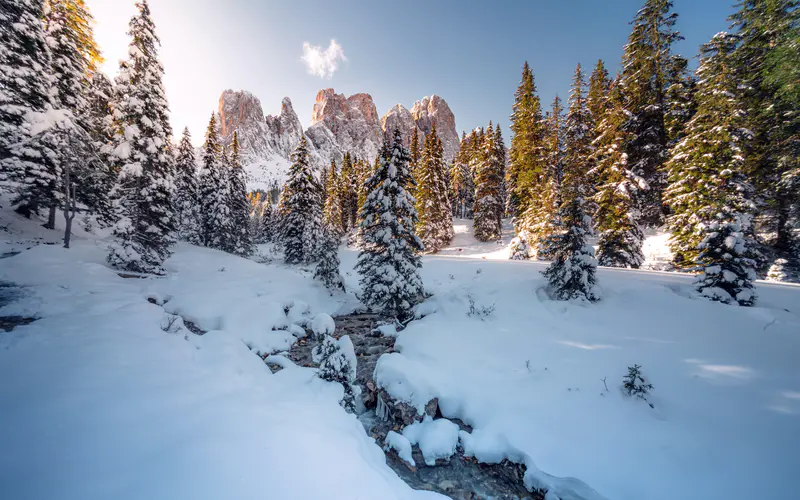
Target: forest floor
[{"x": 107, "y": 394}]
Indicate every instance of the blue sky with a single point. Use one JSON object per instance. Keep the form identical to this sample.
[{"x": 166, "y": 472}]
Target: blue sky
[{"x": 469, "y": 52}]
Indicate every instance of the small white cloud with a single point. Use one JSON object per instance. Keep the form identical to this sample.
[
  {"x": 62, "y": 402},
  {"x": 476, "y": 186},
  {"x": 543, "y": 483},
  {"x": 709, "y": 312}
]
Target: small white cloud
[{"x": 323, "y": 63}]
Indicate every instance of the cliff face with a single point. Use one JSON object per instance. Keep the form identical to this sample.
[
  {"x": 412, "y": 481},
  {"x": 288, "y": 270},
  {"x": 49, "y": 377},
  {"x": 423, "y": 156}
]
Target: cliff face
[
  {"x": 339, "y": 124},
  {"x": 425, "y": 113}
]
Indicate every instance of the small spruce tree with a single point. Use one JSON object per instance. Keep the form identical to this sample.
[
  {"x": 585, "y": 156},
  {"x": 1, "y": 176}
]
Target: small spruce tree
[
  {"x": 389, "y": 262},
  {"x": 302, "y": 225},
  {"x": 327, "y": 269},
  {"x": 332, "y": 212},
  {"x": 187, "y": 192},
  {"x": 571, "y": 275},
  {"x": 240, "y": 241},
  {"x": 146, "y": 234},
  {"x": 489, "y": 188},
  {"x": 213, "y": 190},
  {"x": 435, "y": 225}
]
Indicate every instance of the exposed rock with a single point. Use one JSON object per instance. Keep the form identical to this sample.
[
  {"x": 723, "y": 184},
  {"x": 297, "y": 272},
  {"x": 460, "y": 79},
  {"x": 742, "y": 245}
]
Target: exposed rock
[
  {"x": 351, "y": 124},
  {"x": 435, "y": 110},
  {"x": 339, "y": 124},
  {"x": 265, "y": 142},
  {"x": 401, "y": 413},
  {"x": 425, "y": 113},
  {"x": 399, "y": 117}
]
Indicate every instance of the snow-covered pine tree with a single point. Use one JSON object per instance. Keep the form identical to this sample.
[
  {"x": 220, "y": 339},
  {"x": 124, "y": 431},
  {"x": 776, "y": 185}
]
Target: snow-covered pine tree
[
  {"x": 302, "y": 226},
  {"x": 349, "y": 192},
  {"x": 680, "y": 98},
  {"x": 527, "y": 169},
  {"x": 621, "y": 238},
  {"x": 337, "y": 363},
  {"x": 145, "y": 235},
  {"x": 543, "y": 219},
  {"x": 213, "y": 190},
  {"x": 727, "y": 272},
  {"x": 240, "y": 241},
  {"x": 73, "y": 58},
  {"x": 389, "y": 261},
  {"x": 187, "y": 192},
  {"x": 462, "y": 184},
  {"x": 332, "y": 212},
  {"x": 785, "y": 270},
  {"x": 414, "y": 164},
  {"x": 94, "y": 189},
  {"x": 327, "y": 269},
  {"x": 268, "y": 227},
  {"x": 435, "y": 224},
  {"x": 363, "y": 171},
  {"x": 597, "y": 95},
  {"x": 571, "y": 275},
  {"x": 28, "y": 161},
  {"x": 647, "y": 64},
  {"x": 717, "y": 140},
  {"x": 520, "y": 248},
  {"x": 768, "y": 58},
  {"x": 489, "y": 188}
]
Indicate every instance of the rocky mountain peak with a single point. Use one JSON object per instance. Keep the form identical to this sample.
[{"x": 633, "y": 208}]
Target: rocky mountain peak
[
  {"x": 238, "y": 109},
  {"x": 339, "y": 124},
  {"x": 423, "y": 115}
]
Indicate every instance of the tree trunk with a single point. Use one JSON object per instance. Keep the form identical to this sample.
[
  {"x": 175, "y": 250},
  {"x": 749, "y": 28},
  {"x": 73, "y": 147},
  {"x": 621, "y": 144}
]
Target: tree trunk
[
  {"x": 782, "y": 228},
  {"x": 51, "y": 217}
]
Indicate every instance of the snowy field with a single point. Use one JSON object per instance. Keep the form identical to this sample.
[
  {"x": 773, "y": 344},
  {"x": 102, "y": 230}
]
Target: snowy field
[{"x": 99, "y": 402}]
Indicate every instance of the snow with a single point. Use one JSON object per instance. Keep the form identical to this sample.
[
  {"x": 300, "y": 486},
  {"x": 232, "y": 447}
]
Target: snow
[
  {"x": 529, "y": 380},
  {"x": 401, "y": 445},
  {"x": 437, "y": 439},
  {"x": 99, "y": 402},
  {"x": 322, "y": 325},
  {"x": 96, "y": 395}
]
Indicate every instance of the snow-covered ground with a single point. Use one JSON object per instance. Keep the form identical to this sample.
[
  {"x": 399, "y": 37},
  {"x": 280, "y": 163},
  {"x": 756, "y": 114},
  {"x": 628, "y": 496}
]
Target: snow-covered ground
[{"x": 98, "y": 401}]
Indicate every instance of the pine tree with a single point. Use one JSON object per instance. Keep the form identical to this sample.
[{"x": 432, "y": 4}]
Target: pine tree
[
  {"x": 94, "y": 189},
  {"x": 489, "y": 188},
  {"x": 73, "y": 58},
  {"x": 716, "y": 141},
  {"x": 435, "y": 225},
  {"x": 462, "y": 184},
  {"x": 337, "y": 363},
  {"x": 727, "y": 272},
  {"x": 767, "y": 56},
  {"x": 145, "y": 235},
  {"x": 647, "y": 64},
  {"x": 213, "y": 190},
  {"x": 527, "y": 169},
  {"x": 599, "y": 89},
  {"x": 349, "y": 193},
  {"x": 543, "y": 219},
  {"x": 416, "y": 156},
  {"x": 332, "y": 213},
  {"x": 28, "y": 160},
  {"x": 571, "y": 275},
  {"x": 327, "y": 269},
  {"x": 389, "y": 261},
  {"x": 239, "y": 240},
  {"x": 187, "y": 192},
  {"x": 302, "y": 226},
  {"x": 621, "y": 238},
  {"x": 73, "y": 50},
  {"x": 681, "y": 105},
  {"x": 269, "y": 224}
]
